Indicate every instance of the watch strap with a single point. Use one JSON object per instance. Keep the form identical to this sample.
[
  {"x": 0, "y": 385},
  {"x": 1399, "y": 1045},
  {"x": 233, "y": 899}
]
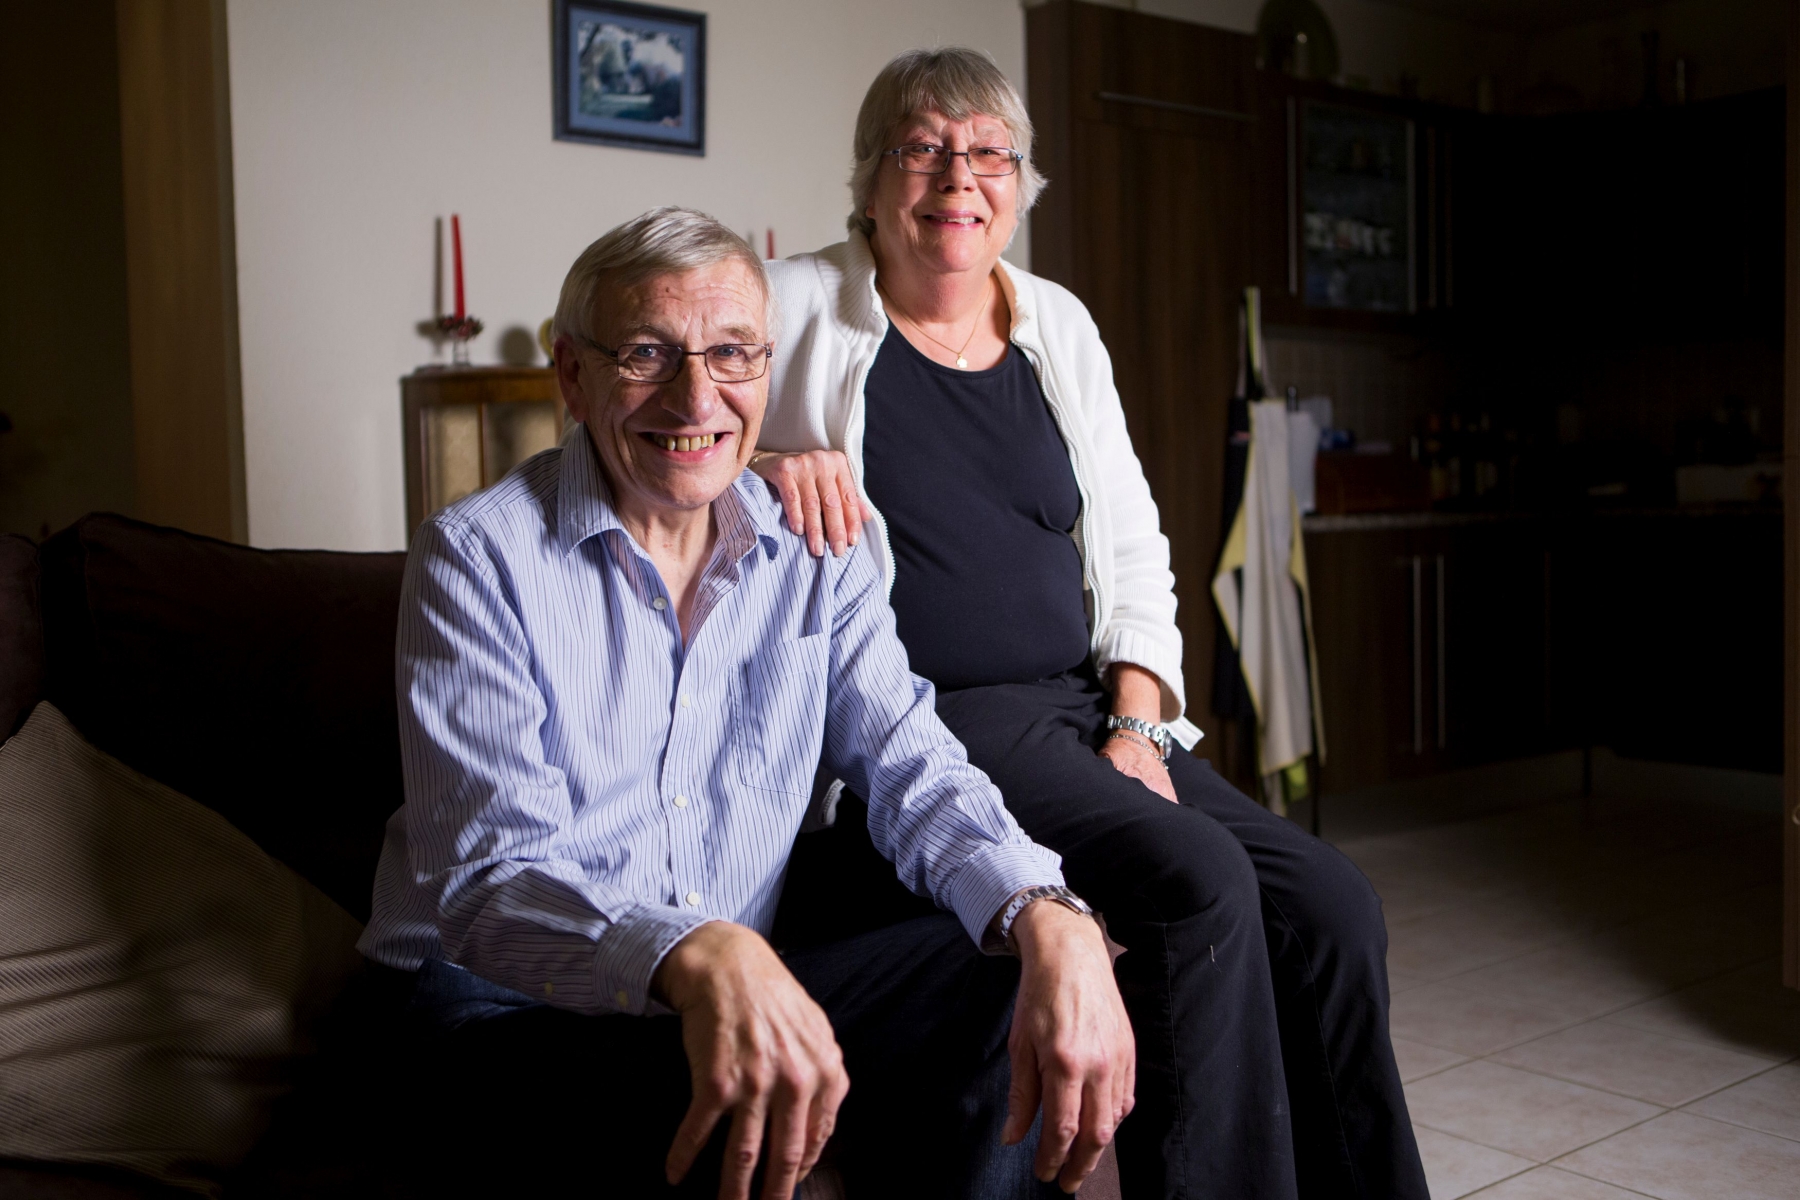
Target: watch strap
[
  {"x": 1157, "y": 734},
  {"x": 999, "y": 939}
]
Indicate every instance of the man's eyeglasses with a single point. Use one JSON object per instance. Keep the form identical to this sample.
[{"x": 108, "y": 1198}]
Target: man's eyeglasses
[
  {"x": 651, "y": 362},
  {"x": 923, "y": 158}
]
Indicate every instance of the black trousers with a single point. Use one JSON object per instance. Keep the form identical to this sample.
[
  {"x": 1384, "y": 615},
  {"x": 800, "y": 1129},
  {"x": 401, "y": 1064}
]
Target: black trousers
[
  {"x": 1255, "y": 965},
  {"x": 516, "y": 1096}
]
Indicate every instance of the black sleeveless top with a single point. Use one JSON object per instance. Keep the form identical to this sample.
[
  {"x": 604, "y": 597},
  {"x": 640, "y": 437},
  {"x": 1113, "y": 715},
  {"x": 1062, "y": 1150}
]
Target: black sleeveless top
[{"x": 975, "y": 483}]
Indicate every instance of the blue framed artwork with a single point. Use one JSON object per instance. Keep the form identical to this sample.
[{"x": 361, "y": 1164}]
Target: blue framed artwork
[{"x": 630, "y": 75}]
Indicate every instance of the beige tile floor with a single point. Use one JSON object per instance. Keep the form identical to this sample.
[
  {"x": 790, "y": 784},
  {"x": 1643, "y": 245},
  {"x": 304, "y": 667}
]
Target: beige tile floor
[{"x": 1587, "y": 1002}]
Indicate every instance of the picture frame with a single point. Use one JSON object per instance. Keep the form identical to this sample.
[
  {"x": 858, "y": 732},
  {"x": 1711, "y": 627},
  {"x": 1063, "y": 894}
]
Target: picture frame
[{"x": 630, "y": 75}]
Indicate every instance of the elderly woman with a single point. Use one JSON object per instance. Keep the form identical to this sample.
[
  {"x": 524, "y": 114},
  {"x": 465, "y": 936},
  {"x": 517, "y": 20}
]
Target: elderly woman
[{"x": 963, "y": 412}]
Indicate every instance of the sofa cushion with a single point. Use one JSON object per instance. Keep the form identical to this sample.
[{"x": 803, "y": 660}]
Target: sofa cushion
[
  {"x": 158, "y": 971},
  {"x": 258, "y": 682},
  {"x": 21, "y": 632}
]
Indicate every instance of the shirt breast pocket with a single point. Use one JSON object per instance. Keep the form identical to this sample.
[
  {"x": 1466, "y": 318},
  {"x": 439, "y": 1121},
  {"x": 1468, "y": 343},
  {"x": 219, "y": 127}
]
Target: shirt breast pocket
[{"x": 778, "y": 712}]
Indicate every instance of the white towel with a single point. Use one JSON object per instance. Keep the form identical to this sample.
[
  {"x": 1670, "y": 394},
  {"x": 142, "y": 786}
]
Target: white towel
[{"x": 1260, "y": 589}]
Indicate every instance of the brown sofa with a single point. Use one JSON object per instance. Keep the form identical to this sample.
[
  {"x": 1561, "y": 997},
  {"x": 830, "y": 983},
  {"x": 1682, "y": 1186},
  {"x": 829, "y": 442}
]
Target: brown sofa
[{"x": 205, "y": 665}]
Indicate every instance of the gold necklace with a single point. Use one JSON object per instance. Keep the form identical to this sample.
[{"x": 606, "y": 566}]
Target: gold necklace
[{"x": 981, "y": 312}]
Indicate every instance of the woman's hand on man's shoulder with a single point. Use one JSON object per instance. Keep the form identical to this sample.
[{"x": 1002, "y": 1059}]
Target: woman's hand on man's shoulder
[{"x": 819, "y": 496}]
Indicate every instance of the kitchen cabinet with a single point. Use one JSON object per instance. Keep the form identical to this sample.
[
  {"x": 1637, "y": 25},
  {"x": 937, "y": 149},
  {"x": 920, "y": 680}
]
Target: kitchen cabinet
[
  {"x": 1643, "y": 224},
  {"x": 1683, "y": 614},
  {"x": 1370, "y": 644},
  {"x": 1433, "y": 635},
  {"x": 1364, "y": 181},
  {"x": 1449, "y": 641}
]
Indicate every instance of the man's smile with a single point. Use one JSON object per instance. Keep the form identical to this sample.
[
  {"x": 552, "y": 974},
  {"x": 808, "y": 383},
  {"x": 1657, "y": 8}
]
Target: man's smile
[{"x": 694, "y": 447}]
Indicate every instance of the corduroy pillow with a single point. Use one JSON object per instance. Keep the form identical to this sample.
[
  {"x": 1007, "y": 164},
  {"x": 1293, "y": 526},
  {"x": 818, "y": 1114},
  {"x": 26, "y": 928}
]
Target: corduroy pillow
[{"x": 158, "y": 971}]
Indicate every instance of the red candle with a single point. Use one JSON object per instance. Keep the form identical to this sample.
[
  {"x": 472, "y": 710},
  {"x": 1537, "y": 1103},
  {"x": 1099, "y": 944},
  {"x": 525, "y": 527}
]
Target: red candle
[
  {"x": 456, "y": 254},
  {"x": 771, "y": 253}
]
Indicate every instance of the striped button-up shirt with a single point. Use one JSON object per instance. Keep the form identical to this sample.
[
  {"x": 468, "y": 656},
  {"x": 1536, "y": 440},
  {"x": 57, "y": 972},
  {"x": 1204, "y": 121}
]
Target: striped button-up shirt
[{"x": 583, "y": 788}]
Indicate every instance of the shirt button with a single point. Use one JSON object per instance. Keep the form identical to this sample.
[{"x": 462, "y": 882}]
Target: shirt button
[
  {"x": 685, "y": 702},
  {"x": 693, "y": 898},
  {"x": 659, "y": 604},
  {"x": 681, "y": 802},
  {"x": 623, "y": 997}
]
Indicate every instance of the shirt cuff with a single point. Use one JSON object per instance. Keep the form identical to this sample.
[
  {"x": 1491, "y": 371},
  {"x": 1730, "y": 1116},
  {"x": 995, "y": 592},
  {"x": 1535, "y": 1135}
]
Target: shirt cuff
[
  {"x": 628, "y": 955},
  {"x": 986, "y": 881}
]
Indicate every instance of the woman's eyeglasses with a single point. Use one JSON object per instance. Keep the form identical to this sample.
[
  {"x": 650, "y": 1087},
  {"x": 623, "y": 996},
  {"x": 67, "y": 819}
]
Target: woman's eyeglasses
[{"x": 923, "y": 158}]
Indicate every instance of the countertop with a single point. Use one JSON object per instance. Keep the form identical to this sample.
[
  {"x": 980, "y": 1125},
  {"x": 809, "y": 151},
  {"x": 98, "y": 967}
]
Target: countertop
[{"x": 1368, "y": 522}]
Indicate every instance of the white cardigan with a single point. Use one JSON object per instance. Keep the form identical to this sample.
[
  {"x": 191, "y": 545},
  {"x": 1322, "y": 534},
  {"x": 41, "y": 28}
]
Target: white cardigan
[{"x": 832, "y": 325}]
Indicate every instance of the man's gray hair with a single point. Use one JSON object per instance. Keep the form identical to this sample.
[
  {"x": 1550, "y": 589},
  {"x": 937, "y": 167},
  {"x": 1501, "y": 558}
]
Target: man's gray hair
[
  {"x": 663, "y": 241},
  {"x": 954, "y": 81}
]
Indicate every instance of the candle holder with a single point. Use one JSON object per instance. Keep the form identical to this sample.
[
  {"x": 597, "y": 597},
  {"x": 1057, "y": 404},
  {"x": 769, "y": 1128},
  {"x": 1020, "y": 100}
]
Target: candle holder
[{"x": 459, "y": 330}]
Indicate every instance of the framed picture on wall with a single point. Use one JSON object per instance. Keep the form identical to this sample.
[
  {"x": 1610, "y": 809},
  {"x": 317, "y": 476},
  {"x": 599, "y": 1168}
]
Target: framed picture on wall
[{"x": 630, "y": 75}]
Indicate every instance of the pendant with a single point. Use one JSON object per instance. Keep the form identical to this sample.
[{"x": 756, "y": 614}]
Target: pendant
[{"x": 962, "y": 362}]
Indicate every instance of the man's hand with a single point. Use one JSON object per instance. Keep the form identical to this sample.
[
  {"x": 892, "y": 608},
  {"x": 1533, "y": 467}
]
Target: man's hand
[
  {"x": 760, "y": 1049},
  {"x": 819, "y": 496},
  {"x": 1072, "y": 1047}
]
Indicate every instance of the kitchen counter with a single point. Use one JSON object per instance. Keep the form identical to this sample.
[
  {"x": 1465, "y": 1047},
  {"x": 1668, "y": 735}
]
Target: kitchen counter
[{"x": 1368, "y": 522}]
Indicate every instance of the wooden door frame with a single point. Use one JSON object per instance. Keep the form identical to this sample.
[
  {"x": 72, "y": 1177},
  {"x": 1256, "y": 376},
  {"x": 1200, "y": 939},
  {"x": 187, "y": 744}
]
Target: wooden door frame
[
  {"x": 1790, "y": 786},
  {"x": 181, "y": 265}
]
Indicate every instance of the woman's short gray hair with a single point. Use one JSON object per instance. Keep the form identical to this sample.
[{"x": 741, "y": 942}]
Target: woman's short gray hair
[
  {"x": 663, "y": 241},
  {"x": 954, "y": 81}
]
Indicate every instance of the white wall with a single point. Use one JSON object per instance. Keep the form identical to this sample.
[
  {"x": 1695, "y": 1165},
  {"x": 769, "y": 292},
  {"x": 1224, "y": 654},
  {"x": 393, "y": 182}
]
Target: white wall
[{"x": 356, "y": 124}]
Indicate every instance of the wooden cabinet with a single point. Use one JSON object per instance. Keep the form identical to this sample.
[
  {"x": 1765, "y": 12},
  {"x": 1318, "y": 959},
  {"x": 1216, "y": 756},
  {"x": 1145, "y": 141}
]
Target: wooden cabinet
[
  {"x": 1299, "y": 141},
  {"x": 1370, "y": 643},
  {"x": 1637, "y": 225},
  {"x": 1492, "y": 640},
  {"x": 1433, "y": 637},
  {"x": 1683, "y": 616},
  {"x": 1144, "y": 131},
  {"x": 465, "y": 427},
  {"x": 1449, "y": 642}
]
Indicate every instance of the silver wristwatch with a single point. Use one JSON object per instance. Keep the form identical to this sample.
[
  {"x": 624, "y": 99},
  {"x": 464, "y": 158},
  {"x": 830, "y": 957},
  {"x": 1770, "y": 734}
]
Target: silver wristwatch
[
  {"x": 999, "y": 940},
  {"x": 1158, "y": 734}
]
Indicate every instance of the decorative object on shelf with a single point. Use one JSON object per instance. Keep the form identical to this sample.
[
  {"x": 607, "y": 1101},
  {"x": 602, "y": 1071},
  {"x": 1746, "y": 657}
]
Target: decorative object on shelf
[
  {"x": 547, "y": 339},
  {"x": 459, "y": 330},
  {"x": 1295, "y": 38},
  {"x": 630, "y": 75},
  {"x": 458, "y": 326},
  {"x": 466, "y": 428}
]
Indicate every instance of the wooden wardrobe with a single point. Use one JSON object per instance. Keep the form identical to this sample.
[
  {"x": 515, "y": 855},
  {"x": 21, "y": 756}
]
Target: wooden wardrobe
[{"x": 1144, "y": 128}]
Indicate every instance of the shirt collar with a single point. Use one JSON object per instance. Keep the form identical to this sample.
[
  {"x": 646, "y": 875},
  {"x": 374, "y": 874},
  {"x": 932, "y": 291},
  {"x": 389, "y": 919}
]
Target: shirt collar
[
  {"x": 583, "y": 500},
  {"x": 747, "y": 515}
]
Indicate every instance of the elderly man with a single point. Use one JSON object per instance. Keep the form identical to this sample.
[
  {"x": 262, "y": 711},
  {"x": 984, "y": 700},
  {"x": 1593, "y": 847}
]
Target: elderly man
[{"x": 618, "y": 673}]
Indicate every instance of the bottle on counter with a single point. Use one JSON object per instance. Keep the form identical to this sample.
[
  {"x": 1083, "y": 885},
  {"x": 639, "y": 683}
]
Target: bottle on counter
[
  {"x": 1486, "y": 456},
  {"x": 1437, "y": 466},
  {"x": 1455, "y": 452}
]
